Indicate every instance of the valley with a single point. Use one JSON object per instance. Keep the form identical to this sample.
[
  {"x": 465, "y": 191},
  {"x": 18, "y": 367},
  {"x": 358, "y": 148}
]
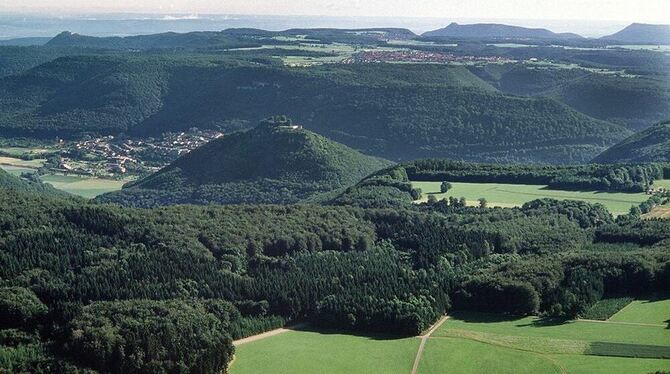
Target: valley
[{"x": 475, "y": 198}]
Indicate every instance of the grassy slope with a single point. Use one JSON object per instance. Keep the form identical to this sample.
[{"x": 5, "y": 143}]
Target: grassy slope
[
  {"x": 507, "y": 195},
  {"x": 311, "y": 352},
  {"x": 645, "y": 311}
]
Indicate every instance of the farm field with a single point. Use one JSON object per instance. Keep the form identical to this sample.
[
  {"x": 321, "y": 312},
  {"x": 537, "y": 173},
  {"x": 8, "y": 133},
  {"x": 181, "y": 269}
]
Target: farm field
[
  {"x": 17, "y": 162},
  {"x": 88, "y": 187},
  {"x": 645, "y": 311},
  {"x": 473, "y": 343},
  {"x": 511, "y": 195},
  {"x": 324, "y": 353}
]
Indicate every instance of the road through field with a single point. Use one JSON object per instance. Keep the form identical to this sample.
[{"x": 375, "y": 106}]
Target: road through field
[{"x": 424, "y": 338}]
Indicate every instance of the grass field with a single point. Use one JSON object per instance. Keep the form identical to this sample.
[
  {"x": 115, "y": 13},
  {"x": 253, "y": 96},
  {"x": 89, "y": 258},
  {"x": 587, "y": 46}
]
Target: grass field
[
  {"x": 554, "y": 329},
  {"x": 312, "y": 352},
  {"x": 88, "y": 187},
  {"x": 645, "y": 311},
  {"x": 474, "y": 343},
  {"x": 665, "y": 183},
  {"x": 510, "y": 195},
  {"x": 452, "y": 355},
  {"x": 17, "y": 162}
]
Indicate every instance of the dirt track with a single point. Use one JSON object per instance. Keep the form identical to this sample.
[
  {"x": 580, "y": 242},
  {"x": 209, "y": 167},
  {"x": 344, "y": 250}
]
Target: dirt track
[
  {"x": 424, "y": 338},
  {"x": 267, "y": 334}
]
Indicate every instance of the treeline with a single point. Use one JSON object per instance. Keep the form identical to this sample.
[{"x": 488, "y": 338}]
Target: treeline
[
  {"x": 562, "y": 285},
  {"x": 591, "y": 177}
]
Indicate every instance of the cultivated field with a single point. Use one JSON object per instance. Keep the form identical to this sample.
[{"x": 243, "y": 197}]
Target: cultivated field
[
  {"x": 511, "y": 195},
  {"x": 88, "y": 187}
]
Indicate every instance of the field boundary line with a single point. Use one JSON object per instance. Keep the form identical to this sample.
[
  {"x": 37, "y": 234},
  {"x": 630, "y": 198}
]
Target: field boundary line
[
  {"x": 619, "y": 311},
  {"x": 424, "y": 338},
  {"x": 621, "y": 323}
]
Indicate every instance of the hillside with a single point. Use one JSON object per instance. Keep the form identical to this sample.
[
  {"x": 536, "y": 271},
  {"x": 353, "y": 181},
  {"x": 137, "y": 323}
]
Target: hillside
[
  {"x": 632, "y": 101},
  {"x": 496, "y": 31},
  {"x": 650, "y": 145},
  {"x": 392, "y": 111},
  {"x": 227, "y": 39},
  {"x": 641, "y": 33},
  {"x": 273, "y": 163}
]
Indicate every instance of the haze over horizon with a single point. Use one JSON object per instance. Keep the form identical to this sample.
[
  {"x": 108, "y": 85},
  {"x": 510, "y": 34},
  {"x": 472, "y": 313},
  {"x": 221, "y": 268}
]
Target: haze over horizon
[{"x": 652, "y": 11}]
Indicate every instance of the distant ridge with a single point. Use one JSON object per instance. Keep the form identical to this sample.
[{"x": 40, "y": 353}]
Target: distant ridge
[
  {"x": 642, "y": 33},
  {"x": 497, "y": 31},
  {"x": 650, "y": 145},
  {"x": 276, "y": 162},
  {"x": 229, "y": 38}
]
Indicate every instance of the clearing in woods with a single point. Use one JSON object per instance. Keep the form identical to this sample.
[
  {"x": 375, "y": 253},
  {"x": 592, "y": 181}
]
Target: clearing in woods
[
  {"x": 301, "y": 351},
  {"x": 88, "y": 187},
  {"x": 511, "y": 195},
  {"x": 633, "y": 341}
]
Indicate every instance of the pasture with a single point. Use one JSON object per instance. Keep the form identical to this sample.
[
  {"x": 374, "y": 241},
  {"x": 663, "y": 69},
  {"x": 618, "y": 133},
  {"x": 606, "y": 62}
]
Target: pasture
[
  {"x": 655, "y": 312},
  {"x": 324, "y": 353},
  {"x": 478, "y": 343},
  {"x": 512, "y": 195},
  {"x": 88, "y": 187}
]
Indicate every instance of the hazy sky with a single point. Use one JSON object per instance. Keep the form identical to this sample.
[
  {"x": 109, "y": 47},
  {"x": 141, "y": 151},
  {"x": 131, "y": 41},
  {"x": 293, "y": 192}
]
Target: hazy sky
[{"x": 652, "y": 11}]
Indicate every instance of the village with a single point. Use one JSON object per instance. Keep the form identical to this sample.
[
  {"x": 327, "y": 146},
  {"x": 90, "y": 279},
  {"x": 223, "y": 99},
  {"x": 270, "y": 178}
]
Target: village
[
  {"x": 110, "y": 156},
  {"x": 416, "y": 56}
]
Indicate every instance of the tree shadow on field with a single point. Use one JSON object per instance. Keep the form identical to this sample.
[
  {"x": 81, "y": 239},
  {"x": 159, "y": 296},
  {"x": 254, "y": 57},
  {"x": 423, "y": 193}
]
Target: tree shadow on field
[
  {"x": 481, "y": 317},
  {"x": 547, "y": 321},
  {"x": 477, "y": 317},
  {"x": 333, "y": 331}
]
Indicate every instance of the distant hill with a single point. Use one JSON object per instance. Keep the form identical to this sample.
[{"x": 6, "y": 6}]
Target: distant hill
[
  {"x": 277, "y": 162},
  {"x": 633, "y": 101},
  {"x": 496, "y": 31},
  {"x": 650, "y": 145},
  {"x": 387, "y": 110},
  {"x": 642, "y": 33},
  {"x": 227, "y": 39},
  {"x": 24, "y": 42}
]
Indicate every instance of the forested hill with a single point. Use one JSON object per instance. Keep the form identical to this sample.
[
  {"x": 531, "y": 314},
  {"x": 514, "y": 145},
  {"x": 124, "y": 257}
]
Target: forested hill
[
  {"x": 650, "y": 145},
  {"x": 496, "y": 31},
  {"x": 641, "y": 33},
  {"x": 277, "y": 162},
  {"x": 633, "y": 101},
  {"x": 391, "y": 111}
]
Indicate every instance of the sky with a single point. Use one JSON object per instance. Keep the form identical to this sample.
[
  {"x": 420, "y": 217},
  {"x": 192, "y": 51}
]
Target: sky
[{"x": 648, "y": 11}]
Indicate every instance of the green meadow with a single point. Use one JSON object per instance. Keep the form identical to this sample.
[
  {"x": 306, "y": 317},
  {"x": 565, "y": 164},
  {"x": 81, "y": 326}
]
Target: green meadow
[
  {"x": 88, "y": 187},
  {"x": 655, "y": 312},
  {"x": 511, "y": 195},
  {"x": 634, "y": 340},
  {"x": 324, "y": 353}
]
